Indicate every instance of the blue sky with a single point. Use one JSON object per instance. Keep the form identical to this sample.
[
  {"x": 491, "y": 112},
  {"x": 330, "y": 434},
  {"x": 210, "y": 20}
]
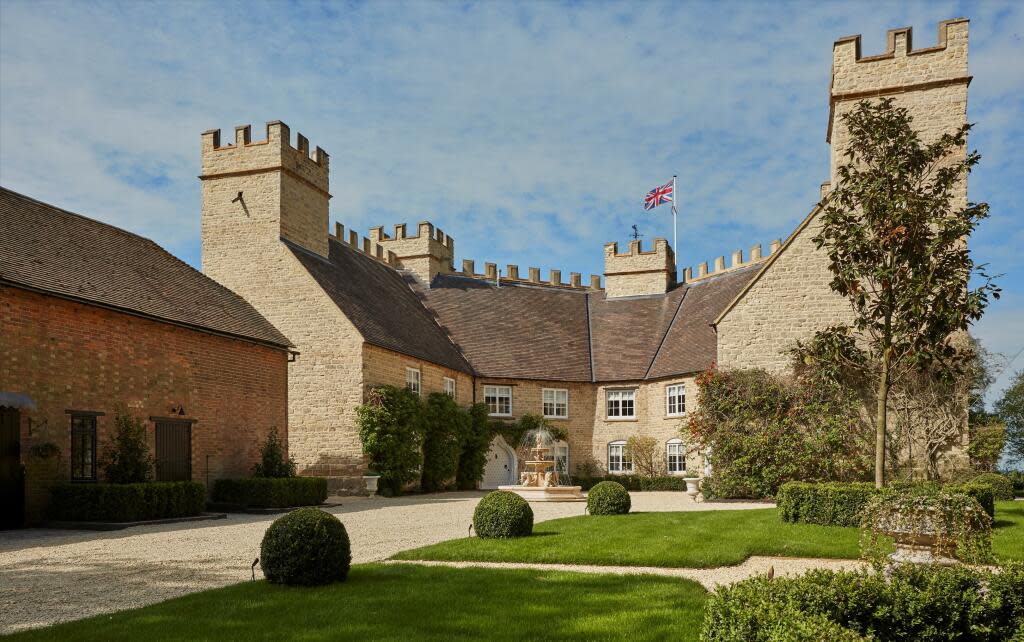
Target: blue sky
[{"x": 528, "y": 131}]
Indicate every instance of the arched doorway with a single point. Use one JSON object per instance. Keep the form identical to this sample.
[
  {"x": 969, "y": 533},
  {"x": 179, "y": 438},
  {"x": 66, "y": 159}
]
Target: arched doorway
[{"x": 501, "y": 468}]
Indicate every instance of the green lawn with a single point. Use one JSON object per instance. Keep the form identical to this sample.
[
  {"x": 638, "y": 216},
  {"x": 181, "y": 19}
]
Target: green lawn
[
  {"x": 415, "y": 603},
  {"x": 1008, "y": 535},
  {"x": 690, "y": 540}
]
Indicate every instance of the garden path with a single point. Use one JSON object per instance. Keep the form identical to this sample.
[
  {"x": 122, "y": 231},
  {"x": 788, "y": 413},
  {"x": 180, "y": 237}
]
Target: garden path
[
  {"x": 49, "y": 576},
  {"x": 710, "y": 578}
]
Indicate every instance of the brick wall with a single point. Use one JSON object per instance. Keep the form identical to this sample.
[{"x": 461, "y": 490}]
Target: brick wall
[{"x": 71, "y": 356}]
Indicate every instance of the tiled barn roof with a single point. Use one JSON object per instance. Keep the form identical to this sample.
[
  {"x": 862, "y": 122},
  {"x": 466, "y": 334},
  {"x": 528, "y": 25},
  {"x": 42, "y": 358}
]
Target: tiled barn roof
[
  {"x": 50, "y": 250},
  {"x": 379, "y": 302}
]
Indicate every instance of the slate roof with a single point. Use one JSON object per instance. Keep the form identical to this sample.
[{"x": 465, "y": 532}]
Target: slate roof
[
  {"x": 529, "y": 332},
  {"x": 514, "y": 331},
  {"x": 380, "y": 303},
  {"x": 47, "y": 249}
]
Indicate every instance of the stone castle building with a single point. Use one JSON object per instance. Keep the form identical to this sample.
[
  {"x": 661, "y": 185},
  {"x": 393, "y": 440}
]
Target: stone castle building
[{"x": 605, "y": 360}]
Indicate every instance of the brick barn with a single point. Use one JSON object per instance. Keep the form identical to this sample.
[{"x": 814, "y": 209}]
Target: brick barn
[{"x": 92, "y": 317}]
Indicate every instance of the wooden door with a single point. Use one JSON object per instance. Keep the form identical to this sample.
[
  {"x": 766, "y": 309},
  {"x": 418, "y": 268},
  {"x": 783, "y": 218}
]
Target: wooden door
[
  {"x": 12, "y": 474},
  {"x": 173, "y": 450}
]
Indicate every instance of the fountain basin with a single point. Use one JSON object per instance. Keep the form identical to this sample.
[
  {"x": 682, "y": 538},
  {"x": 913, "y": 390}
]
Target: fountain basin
[{"x": 547, "y": 493}]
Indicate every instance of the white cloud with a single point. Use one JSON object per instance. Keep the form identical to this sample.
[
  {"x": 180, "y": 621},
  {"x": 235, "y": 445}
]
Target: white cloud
[{"x": 529, "y": 131}]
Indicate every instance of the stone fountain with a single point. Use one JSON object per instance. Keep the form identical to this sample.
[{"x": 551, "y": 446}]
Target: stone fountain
[{"x": 537, "y": 483}]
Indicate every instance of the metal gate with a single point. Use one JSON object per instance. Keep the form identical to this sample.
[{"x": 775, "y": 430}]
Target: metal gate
[
  {"x": 173, "y": 450},
  {"x": 12, "y": 475}
]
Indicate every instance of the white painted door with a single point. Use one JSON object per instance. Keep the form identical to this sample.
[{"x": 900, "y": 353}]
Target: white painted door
[{"x": 501, "y": 465}]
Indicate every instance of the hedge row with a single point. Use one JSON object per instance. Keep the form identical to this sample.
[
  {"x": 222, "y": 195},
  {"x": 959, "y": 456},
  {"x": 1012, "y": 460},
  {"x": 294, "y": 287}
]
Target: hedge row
[
  {"x": 271, "y": 492},
  {"x": 841, "y": 504},
  {"x": 917, "y": 602},
  {"x": 127, "y": 502},
  {"x": 833, "y": 504},
  {"x": 634, "y": 482}
]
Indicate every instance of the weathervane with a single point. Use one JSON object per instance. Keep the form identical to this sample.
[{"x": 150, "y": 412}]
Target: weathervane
[{"x": 636, "y": 234}]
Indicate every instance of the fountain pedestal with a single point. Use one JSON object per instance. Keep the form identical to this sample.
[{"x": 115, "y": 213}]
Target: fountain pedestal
[{"x": 538, "y": 484}]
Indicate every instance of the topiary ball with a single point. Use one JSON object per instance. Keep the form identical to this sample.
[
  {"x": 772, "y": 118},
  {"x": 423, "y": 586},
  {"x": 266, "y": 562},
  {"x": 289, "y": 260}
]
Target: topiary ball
[
  {"x": 502, "y": 514},
  {"x": 308, "y": 547},
  {"x": 608, "y": 498}
]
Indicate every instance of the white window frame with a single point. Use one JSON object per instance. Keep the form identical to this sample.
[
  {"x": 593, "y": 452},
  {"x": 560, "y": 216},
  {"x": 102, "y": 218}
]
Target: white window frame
[
  {"x": 556, "y": 405},
  {"x": 449, "y": 387},
  {"x": 619, "y": 396},
  {"x": 678, "y": 391},
  {"x": 624, "y": 465},
  {"x": 560, "y": 456},
  {"x": 675, "y": 448},
  {"x": 498, "y": 392},
  {"x": 414, "y": 381}
]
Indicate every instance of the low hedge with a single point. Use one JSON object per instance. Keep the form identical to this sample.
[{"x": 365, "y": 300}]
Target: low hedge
[
  {"x": 635, "y": 482},
  {"x": 126, "y": 502},
  {"x": 915, "y": 602},
  {"x": 1002, "y": 486},
  {"x": 831, "y": 504},
  {"x": 841, "y": 504},
  {"x": 271, "y": 492}
]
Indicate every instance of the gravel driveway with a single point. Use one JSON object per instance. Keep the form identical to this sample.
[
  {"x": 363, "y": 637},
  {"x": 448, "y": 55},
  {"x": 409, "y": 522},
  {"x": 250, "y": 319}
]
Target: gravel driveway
[{"x": 49, "y": 576}]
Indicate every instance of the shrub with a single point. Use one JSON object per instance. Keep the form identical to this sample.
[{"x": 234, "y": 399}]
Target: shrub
[
  {"x": 763, "y": 431},
  {"x": 1016, "y": 477},
  {"x": 608, "y": 498},
  {"x": 981, "y": 493},
  {"x": 271, "y": 492},
  {"x": 829, "y": 504},
  {"x": 273, "y": 462},
  {"x": 1002, "y": 486},
  {"x": 473, "y": 449},
  {"x": 391, "y": 429},
  {"x": 502, "y": 514},
  {"x": 126, "y": 502},
  {"x": 308, "y": 547},
  {"x": 444, "y": 427},
  {"x": 917, "y": 602},
  {"x": 127, "y": 460},
  {"x": 634, "y": 482},
  {"x": 642, "y": 450},
  {"x": 961, "y": 527}
]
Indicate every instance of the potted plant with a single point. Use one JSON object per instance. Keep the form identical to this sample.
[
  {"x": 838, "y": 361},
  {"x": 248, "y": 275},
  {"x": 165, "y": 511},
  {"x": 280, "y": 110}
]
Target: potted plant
[
  {"x": 692, "y": 484},
  {"x": 370, "y": 478}
]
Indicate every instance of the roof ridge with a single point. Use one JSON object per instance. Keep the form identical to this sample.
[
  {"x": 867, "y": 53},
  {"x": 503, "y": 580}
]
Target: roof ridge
[{"x": 664, "y": 337}]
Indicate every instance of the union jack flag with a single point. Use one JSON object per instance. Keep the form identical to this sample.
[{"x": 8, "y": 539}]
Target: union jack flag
[{"x": 659, "y": 195}]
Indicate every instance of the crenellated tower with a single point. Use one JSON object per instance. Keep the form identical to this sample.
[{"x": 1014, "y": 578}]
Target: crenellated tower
[
  {"x": 427, "y": 253},
  {"x": 639, "y": 273},
  {"x": 930, "y": 82},
  {"x": 257, "y": 192}
]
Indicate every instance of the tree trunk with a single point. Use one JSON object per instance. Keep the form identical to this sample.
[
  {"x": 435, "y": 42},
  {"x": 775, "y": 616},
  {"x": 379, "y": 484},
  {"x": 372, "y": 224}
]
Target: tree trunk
[{"x": 880, "y": 423}]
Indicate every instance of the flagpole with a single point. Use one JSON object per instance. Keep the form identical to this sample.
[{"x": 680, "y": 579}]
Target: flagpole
[{"x": 675, "y": 199}]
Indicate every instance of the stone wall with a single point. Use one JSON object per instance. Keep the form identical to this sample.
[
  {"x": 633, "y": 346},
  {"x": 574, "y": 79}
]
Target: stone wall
[{"x": 72, "y": 356}]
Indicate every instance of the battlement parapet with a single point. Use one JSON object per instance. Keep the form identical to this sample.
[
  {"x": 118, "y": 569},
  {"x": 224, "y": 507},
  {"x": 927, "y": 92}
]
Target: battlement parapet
[
  {"x": 275, "y": 152},
  {"x": 901, "y": 68},
  {"x": 736, "y": 262},
  {"x": 512, "y": 276}
]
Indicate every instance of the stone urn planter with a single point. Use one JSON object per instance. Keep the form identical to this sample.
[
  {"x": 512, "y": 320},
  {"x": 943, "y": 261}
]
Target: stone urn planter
[
  {"x": 692, "y": 486},
  {"x": 916, "y": 546},
  {"x": 370, "y": 479}
]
